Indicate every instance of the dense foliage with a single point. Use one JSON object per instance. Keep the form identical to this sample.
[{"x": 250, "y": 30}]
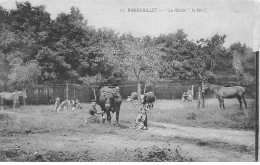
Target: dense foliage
[{"x": 40, "y": 49}]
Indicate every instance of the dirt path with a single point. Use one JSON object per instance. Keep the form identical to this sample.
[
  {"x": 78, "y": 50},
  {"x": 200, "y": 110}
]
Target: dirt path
[{"x": 236, "y": 137}]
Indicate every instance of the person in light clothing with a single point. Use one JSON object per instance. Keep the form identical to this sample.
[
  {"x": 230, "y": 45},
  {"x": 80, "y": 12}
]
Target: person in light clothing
[
  {"x": 141, "y": 119},
  {"x": 57, "y": 104}
]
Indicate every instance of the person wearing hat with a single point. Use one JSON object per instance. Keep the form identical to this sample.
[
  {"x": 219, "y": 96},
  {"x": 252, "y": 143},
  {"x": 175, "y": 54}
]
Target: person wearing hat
[{"x": 92, "y": 111}]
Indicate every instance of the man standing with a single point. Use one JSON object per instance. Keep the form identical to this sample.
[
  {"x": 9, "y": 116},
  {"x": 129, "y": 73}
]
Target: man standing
[{"x": 200, "y": 97}]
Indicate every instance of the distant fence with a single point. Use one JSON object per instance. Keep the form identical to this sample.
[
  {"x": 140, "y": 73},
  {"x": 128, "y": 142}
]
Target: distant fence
[
  {"x": 46, "y": 94},
  {"x": 172, "y": 90}
]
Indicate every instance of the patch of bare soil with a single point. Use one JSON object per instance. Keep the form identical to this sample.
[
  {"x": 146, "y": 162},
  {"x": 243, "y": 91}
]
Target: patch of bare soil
[
  {"x": 21, "y": 155},
  {"x": 161, "y": 142}
]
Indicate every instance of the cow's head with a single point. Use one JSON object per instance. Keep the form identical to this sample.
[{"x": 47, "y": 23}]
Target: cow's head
[
  {"x": 22, "y": 93},
  {"x": 109, "y": 99}
]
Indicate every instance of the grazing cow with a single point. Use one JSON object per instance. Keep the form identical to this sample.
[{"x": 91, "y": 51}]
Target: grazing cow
[
  {"x": 148, "y": 99},
  {"x": 109, "y": 99},
  {"x": 65, "y": 105},
  {"x": 14, "y": 97},
  {"x": 133, "y": 98}
]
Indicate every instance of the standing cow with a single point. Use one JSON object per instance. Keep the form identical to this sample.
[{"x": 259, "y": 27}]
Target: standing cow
[
  {"x": 133, "y": 98},
  {"x": 109, "y": 99},
  {"x": 10, "y": 97},
  {"x": 148, "y": 98}
]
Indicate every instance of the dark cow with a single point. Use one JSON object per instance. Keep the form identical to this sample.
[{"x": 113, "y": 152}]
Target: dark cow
[
  {"x": 109, "y": 99},
  {"x": 133, "y": 98},
  {"x": 148, "y": 98}
]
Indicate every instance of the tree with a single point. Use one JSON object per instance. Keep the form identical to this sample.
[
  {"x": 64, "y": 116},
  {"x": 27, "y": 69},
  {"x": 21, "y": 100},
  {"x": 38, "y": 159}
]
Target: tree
[
  {"x": 25, "y": 75},
  {"x": 20, "y": 35},
  {"x": 93, "y": 82},
  {"x": 137, "y": 58},
  {"x": 178, "y": 54},
  {"x": 213, "y": 57},
  {"x": 237, "y": 65},
  {"x": 243, "y": 62}
]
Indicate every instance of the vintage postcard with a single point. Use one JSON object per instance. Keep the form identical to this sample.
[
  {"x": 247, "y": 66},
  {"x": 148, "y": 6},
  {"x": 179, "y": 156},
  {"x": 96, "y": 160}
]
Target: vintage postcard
[{"x": 129, "y": 80}]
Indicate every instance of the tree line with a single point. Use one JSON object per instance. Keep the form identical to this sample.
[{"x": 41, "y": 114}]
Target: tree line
[{"x": 36, "y": 49}]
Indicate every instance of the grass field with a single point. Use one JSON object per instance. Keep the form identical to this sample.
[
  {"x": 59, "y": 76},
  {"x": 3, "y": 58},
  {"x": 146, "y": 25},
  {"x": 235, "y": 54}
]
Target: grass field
[
  {"x": 41, "y": 117},
  {"x": 64, "y": 137}
]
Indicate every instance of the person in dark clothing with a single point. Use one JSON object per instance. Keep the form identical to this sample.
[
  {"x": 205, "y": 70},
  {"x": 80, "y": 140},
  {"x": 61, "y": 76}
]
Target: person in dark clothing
[
  {"x": 200, "y": 97},
  {"x": 93, "y": 118}
]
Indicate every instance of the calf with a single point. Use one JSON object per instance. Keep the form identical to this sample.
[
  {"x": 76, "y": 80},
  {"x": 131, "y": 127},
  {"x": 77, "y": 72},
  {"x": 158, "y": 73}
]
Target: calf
[{"x": 65, "y": 105}]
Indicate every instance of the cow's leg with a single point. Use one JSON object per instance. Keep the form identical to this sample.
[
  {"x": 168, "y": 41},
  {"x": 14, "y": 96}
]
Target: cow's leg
[
  {"x": 219, "y": 100},
  {"x": 102, "y": 115},
  {"x": 108, "y": 117},
  {"x": 244, "y": 100},
  {"x": 145, "y": 122},
  {"x": 117, "y": 117},
  {"x": 222, "y": 101},
  {"x": 240, "y": 102},
  {"x": 14, "y": 102},
  {"x": 198, "y": 106}
]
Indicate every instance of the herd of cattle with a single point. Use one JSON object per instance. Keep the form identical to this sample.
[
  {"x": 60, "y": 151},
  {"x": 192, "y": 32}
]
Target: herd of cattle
[{"x": 109, "y": 99}]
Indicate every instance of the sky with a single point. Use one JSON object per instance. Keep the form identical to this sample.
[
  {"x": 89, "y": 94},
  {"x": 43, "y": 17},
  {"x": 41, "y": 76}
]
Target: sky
[{"x": 234, "y": 18}]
